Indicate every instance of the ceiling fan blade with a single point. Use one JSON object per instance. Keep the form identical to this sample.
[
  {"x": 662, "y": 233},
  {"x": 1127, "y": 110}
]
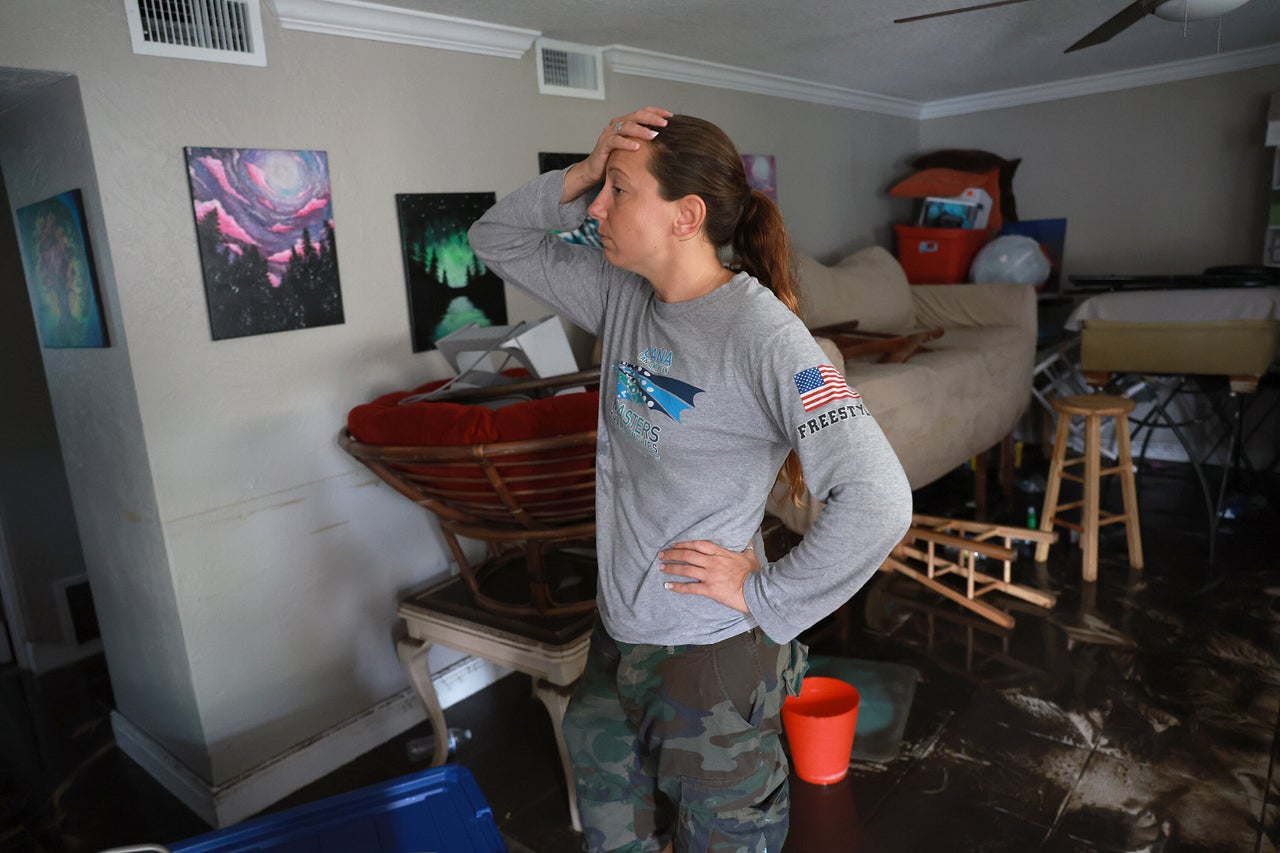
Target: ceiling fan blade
[
  {"x": 957, "y": 11},
  {"x": 1116, "y": 24}
]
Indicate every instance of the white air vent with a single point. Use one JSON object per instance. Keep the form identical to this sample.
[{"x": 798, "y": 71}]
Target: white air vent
[
  {"x": 570, "y": 69},
  {"x": 210, "y": 30}
]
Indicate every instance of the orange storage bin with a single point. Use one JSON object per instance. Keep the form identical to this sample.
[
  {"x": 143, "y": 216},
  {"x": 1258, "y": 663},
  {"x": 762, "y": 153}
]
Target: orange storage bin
[{"x": 938, "y": 255}]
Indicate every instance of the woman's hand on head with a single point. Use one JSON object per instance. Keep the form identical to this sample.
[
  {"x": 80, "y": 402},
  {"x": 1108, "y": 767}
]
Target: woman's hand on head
[
  {"x": 720, "y": 572},
  {"x": 625, "y": 132}
]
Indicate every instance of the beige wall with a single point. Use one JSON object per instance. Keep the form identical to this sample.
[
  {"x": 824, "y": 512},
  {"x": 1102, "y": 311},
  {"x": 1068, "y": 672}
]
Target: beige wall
[
  {"x": 275, "y": 560},
  {"x": 38, "y": 536},
  {"x": 271, "y": 561},
  {"x": 45, "y": 150},
  {"x": 1163, "y": 179}
]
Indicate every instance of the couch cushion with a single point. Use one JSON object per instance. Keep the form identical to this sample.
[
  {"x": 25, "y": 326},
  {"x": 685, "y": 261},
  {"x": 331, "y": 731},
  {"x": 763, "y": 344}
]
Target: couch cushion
[
  {"x": 868, "y": 286},
  {"x": 386, "y": 422},
  {"x": 946, "y": 405},
  {"x": 940, "y": 407},
  {"x": 552, "y": 486}
]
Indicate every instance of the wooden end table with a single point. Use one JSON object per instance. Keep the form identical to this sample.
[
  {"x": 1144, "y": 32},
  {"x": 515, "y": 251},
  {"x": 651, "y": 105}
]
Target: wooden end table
[{"x": 552, "y": 651}]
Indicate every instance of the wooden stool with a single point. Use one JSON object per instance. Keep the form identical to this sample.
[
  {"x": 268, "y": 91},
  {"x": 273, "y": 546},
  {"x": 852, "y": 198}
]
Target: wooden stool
[{"x": 1093, "y": 408}]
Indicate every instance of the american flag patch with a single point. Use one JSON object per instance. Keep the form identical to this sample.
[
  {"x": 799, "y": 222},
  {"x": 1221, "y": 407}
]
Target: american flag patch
[{"x": 822, "y": 384}]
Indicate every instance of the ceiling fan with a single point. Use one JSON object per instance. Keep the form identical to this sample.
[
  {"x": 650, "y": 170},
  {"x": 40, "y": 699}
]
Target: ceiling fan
[{"x": 1170, "y": 10}]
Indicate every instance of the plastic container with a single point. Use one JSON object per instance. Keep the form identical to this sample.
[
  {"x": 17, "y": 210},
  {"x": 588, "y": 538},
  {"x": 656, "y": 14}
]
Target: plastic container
[
  {"x": 938, "y": 255},
  {"x": 820, "y": 725},
  {"x": 440, "y": 809}
]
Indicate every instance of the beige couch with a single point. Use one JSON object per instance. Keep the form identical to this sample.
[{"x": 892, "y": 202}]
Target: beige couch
[{"x": 942, "y": 407}]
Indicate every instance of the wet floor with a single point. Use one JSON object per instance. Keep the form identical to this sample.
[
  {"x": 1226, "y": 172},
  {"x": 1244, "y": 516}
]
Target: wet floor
[{"x": 1138, "y": 714}]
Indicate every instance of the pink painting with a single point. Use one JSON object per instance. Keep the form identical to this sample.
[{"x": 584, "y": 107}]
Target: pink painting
[
  {"x": 264, "y": 226},
  {"x": 762, "y": 173}
]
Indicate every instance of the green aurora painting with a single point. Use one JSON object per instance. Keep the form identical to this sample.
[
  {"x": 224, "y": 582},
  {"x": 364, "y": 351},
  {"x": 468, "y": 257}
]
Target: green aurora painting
[{"x": 449, "y": 287}]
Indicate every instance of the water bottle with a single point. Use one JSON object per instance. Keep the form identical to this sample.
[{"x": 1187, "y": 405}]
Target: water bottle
[
  {"x": 422, "y": 748},
  {"x": 1025, "y": 547}
]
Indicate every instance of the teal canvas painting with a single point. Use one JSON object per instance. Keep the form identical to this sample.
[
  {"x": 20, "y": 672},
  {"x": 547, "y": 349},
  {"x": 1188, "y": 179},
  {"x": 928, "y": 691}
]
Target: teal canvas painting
[{"x": 58, "y": 263}]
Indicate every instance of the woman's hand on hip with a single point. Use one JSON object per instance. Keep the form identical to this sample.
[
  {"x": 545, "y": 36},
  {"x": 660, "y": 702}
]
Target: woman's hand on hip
[
  {"x": 625, "y": 132},
  {"x": 720, "y": 573}
]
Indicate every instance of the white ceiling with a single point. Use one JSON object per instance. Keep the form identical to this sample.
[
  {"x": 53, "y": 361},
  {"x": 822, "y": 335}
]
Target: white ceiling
[
  {"x": 852, "y": 47},
  {"x": 854, "y": 44}
]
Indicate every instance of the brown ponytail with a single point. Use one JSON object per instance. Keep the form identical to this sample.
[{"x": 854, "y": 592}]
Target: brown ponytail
[
  {"x": 691, "y": 156},
  {"x": 761, "y": 248}
]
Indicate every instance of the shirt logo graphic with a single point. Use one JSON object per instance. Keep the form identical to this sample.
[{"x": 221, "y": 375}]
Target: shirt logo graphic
[
  {"x": 821, "y": 385},
  {"x": 656, "y": 359},
  {"x": 657, "y": 393}
]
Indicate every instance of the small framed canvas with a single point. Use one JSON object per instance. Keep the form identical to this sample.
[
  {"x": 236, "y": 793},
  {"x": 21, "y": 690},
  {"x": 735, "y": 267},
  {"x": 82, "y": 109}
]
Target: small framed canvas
[
  {"x": 588, "y": 233},
  {"x": 549, "y": 160},
  {"x": 449, "y": 287},
  {"x": 264, "y": 227},
  {"x": 61, "y": 278},
  {"x": 762, "y": 173},
  {"x": 948, "y": 213}
]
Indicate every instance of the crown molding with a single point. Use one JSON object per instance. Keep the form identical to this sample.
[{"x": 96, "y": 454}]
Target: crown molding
[
  {"x": 360, "y": 19},
  {"x": 1170, "y": 72},
  {"x": 375, "y": 21},
  {"x": 662, "y": 66},
  {"x": 627, "y": 60}
]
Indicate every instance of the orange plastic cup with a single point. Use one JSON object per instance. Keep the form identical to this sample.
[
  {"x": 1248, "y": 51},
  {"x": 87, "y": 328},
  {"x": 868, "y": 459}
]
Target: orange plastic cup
[{"x": 820, "y": 723}]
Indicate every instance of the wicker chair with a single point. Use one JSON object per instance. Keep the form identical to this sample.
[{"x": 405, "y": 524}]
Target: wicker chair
[{"x": 532, "y": 501}]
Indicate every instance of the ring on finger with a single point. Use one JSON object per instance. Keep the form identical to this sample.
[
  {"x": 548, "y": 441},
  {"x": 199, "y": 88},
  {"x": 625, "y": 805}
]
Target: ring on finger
[{"x": 617, "y": 127}]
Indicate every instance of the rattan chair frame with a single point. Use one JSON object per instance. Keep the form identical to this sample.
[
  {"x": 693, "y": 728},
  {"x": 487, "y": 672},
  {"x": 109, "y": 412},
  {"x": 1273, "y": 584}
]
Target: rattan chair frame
[{"x": 530, "y": 501}]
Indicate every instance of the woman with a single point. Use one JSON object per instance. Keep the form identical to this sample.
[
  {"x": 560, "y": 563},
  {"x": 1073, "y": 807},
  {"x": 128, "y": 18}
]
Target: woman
[{"x": 709, "y": 383}]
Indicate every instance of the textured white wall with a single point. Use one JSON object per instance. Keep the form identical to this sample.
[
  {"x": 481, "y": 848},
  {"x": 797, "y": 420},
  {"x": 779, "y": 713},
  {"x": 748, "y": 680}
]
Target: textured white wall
[
  {"x": 275, "y": 560},
  {"x": 245, "y": 569},
  {"x": 42, "y": 540},
  {"x": 45, "y": 150}
]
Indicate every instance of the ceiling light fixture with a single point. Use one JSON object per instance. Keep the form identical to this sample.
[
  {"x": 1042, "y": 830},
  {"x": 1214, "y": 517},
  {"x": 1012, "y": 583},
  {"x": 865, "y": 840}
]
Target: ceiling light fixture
[
  {"x": 1184, "y": 11},
  {"x": 1195, "y": 10}
]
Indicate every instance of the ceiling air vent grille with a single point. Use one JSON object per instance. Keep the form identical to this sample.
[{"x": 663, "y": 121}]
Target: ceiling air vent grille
[
  {"x": 210, "y": 30},
  {"x": 570, "y": 69}
]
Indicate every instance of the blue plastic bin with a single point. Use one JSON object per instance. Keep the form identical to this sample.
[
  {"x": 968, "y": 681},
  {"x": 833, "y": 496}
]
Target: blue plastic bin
[{"x": 440, "y": 810}]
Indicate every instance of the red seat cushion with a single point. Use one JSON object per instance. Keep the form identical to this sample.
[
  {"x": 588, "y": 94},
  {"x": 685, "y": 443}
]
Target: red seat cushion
[{"x": 384, "y": 421}]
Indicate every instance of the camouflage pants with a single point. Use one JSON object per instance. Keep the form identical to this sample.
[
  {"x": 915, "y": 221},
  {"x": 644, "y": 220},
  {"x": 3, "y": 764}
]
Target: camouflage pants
[{"x": 682, "y": 743}]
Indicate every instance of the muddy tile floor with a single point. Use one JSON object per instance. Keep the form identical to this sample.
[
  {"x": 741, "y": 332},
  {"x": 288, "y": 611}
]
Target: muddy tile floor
[{"x": 1138, "y": 714}]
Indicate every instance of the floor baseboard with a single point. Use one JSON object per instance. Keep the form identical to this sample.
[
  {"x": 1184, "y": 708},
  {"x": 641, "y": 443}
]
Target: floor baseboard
[{"x": 249, "y": 793}]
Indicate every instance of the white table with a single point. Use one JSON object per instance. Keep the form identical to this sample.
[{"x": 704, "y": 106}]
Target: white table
[
  {"x": 554, "y": 656},
  {"x": 1233, "y": 332},
  {"x": 1219, "y": 331}
]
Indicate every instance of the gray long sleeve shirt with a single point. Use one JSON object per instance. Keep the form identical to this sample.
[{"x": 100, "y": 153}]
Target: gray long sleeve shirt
[{"x": 700, "y": 402}]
